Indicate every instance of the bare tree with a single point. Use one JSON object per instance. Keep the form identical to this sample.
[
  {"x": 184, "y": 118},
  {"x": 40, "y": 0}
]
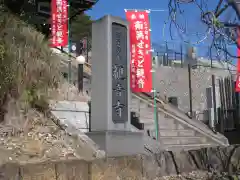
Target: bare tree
[{"x": 221, "y": 23}]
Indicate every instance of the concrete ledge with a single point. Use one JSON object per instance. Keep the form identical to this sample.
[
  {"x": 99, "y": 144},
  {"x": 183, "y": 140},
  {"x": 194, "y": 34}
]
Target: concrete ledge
[
  {"x": 73, "y": 106},
  {"x": 171, "y": 140},
  {"x": 137, "y": 167},
  {"x": 118, "y": 143},
  {"x": 181, "y": 133}
]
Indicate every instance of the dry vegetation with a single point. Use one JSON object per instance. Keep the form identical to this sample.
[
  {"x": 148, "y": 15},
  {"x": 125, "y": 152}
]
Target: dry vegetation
[
  {"x": 28, "y": 67},
  {"x": 30, "y": 74}
]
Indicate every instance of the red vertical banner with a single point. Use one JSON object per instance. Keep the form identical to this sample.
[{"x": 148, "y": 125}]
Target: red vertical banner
[
  {"x": 238, "y": 63},
  {"x": 65, "y": 22},
  {"x": 53, "y": 21},
  {"x": 140, "y": 51},
  {"x": 59, "y": 26},
  {"x": 238, "y": 84}
]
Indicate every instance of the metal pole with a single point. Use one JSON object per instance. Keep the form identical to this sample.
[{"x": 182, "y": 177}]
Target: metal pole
[
  {"x": 181, "y": 56},
  {"x": 190, "y": 89},
  {"x": 158, "y": 60},
  {"x": 69, "y": 47},
  {"x": 211, "y": 58},
  {"x": 87, "y": 50},
  {"x": 154, "y": 96},
  {"x": 150, "y": 10},
  {"x": 167, "y": 52},
  {"x": 80, "y": 77},
  {"x": 89, "y": 122},
  {"x": 155, "y": 105},
  {"x": 155, "y": 109}
]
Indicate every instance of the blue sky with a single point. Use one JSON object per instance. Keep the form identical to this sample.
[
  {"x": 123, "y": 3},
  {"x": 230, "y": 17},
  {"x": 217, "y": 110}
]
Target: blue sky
[
  {"x": 116, "y": 8},
  {"x": 157, "y": 19}
]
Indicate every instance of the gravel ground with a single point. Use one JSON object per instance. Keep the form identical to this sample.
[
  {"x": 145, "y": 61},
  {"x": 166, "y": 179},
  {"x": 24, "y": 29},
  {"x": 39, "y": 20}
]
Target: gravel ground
[
  {"x": 202, "y": 175},
  {"x": 195, "y": 175},
  {"x": 39, "y": 140},
  {"x": 31, "y": 137}
]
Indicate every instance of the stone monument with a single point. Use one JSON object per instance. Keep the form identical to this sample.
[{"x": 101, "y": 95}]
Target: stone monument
[{"x": 110, "y": 89}]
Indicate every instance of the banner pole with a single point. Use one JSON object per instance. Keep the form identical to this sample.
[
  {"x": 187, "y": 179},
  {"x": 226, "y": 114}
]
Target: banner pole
[
  {"x": 155, "y": 109},
  {"x": 154, "y": 10},
  {"x": 155, "y": 105},
  {"x": 69, "y": 47}
]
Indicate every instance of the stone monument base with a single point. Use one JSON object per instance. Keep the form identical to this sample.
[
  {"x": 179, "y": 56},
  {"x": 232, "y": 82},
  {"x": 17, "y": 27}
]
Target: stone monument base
[{"x": 118, "y": 143}]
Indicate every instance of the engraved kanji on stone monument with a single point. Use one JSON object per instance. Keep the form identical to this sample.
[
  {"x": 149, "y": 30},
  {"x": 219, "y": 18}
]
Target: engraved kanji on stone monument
[
  {"x": 110, "y": 121},
  {"x": 118, "y": 89},
  {"x": 119, "y": 74}
]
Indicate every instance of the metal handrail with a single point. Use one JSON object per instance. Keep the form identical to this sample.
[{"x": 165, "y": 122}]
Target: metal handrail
[{"x": 207, "y": 133}]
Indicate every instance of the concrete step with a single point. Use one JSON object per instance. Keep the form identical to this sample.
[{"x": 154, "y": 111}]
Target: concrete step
[
  {"x": 156, "y": 147},
  {"x": 187, "y": 147},
  {"x": 184, "y": 121},
  {"x": 136, "y": 104},
  {"x": 172, "y": 133},
  {"x": 160, "y": 121},
  {"x": 182, "y": 140},
  {"x": 147, "y": 118},
  {"x": 147, "y": 115},
  {"x": 198, "y": 125},
  {"x": 161, "y": 127},
  {"x": 164, "y": 124}
]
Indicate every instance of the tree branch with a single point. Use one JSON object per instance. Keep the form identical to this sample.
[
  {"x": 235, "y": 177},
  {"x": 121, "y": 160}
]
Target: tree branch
[
  {"x": 218, "y": 6},
  {"x": 235, "y": 6}
]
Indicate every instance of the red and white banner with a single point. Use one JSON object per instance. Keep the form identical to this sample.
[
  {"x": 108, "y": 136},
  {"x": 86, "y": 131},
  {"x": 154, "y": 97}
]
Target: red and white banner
[
  {"x": 59, "y": 26},
  {"x": 140, "y": 51},
  {"x": 237, "y": 86}
]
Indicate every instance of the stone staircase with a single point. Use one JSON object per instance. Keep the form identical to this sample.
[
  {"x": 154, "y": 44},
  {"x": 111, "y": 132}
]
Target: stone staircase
[
  {"x": 173, "y": 133},
  {"x": 176, "y": 130}
]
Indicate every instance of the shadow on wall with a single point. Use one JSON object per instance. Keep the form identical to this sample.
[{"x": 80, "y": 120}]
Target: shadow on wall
[{"x": 233, "y": 136}]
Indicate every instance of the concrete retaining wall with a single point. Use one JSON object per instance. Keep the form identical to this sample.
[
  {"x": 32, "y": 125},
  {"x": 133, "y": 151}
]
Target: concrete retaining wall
[
  {"x": 135, "y": 167},
  {"x": 172, "y": 81}
]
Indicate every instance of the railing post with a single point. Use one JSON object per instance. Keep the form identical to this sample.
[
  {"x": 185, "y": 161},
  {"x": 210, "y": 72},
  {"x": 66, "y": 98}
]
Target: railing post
[
  {"x": 89, "y": 117},
  {"x": 190, "y": 90},
  {"x": 181, "y": 56},
  {"x": 80, "y": 77}
]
